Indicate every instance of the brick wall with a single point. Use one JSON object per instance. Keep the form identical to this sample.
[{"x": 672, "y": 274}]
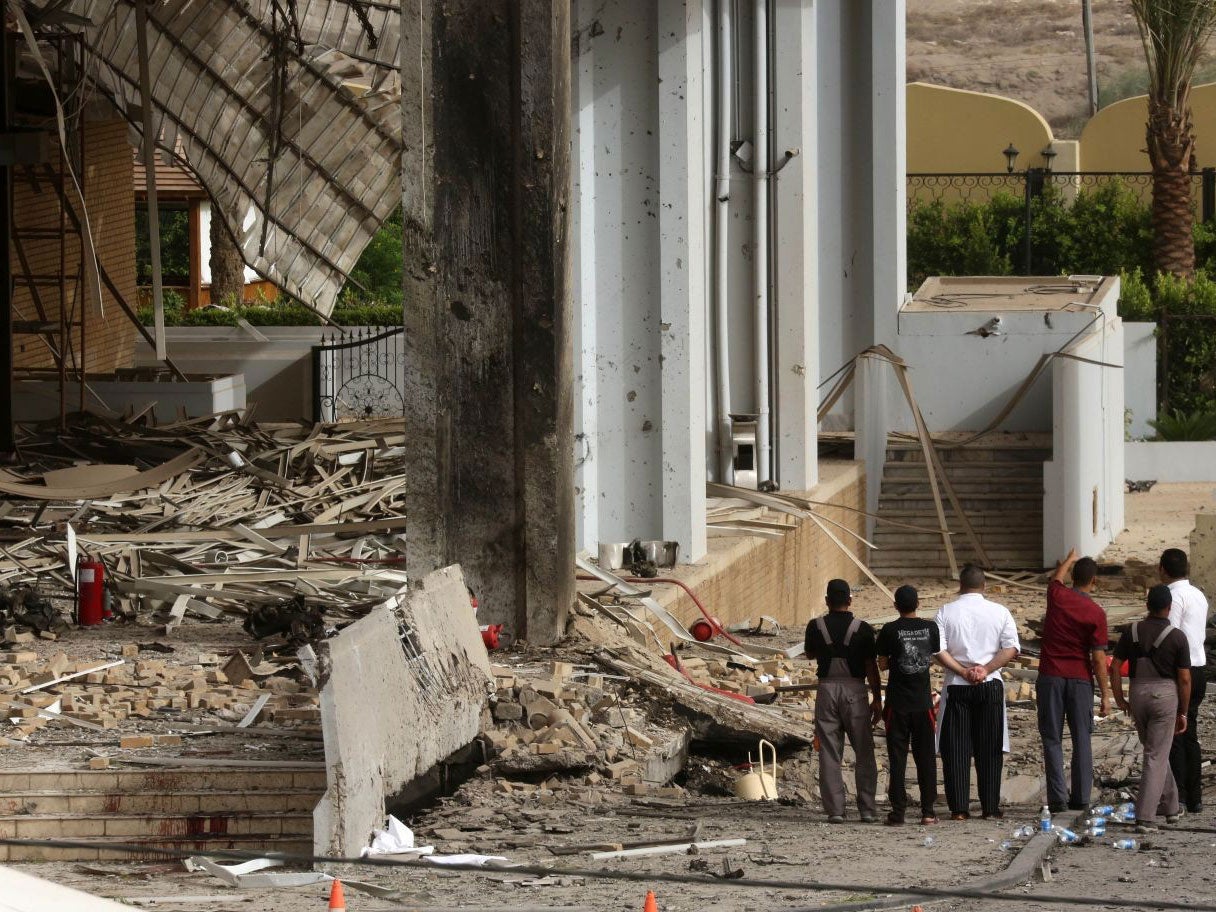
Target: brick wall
[
  {"x": 783, "y": 578},
  {"x": 110, "y": 195}
]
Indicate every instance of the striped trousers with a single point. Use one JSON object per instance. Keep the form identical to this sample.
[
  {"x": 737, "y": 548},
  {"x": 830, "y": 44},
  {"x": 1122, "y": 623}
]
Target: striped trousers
[{"x": 973, "y": 727}]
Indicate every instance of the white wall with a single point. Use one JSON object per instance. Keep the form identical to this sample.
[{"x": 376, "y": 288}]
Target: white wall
[
  {"x": 1084, "y": 482},
  {"x": 277, "y": 372},
  {"x": 1140, "y": 377},
  {"x": 962, "y": 381},
  {"x": 1175, "y": 460}
]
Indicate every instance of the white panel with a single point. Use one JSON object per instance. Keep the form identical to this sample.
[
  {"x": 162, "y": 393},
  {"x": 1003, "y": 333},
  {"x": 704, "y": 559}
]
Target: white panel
[{"x": 682, "y": 278}]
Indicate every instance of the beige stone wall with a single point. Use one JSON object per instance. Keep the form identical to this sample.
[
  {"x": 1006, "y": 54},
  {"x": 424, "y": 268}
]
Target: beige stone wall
[
  {"x": 110, "y": 195},
  {"x": 783, "y": 578}
]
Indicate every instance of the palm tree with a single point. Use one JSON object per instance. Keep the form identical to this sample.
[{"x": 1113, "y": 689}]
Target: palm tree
[{"x": 1174, "y": 34}]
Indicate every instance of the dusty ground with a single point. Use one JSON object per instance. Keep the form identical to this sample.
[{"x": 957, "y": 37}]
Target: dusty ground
[
  {"x": 1031, "y": 50},
  {"x": 791, "y": 841}
]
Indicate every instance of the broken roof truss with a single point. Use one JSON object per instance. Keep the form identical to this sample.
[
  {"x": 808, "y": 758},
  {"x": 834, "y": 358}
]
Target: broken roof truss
[{"x": 286, "y": 110}]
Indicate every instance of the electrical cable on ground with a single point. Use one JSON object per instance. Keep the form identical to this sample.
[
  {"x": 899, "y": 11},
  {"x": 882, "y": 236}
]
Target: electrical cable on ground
[{"x": 649, "y": 877}]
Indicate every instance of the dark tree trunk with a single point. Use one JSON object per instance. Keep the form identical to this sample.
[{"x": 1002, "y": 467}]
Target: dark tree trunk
[
  {"x": 1171, "y": 146},
  {"x": 227, "y": 266}
]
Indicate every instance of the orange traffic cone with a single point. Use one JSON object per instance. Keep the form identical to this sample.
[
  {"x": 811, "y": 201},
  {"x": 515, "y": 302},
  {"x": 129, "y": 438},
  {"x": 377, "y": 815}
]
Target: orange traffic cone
[
  {"x": 337, "y": 901},
  {"x": 650, "y": 905}
]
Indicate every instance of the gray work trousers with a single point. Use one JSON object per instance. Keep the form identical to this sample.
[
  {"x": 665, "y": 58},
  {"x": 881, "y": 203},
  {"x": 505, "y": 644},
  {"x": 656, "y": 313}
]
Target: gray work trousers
[
  {"x": 842, "y": 708},
  {"x": 1070, "y": 699},
  {"x": 1155, "y": 711}
]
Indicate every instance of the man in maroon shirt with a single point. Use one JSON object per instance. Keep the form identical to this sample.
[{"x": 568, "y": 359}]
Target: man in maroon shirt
[{"x": 1073, "y": 651}]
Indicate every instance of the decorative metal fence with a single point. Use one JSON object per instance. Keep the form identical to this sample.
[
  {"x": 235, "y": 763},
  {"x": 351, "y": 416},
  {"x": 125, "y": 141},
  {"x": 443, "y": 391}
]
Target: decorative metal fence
[{"x": 361, "y": 377}]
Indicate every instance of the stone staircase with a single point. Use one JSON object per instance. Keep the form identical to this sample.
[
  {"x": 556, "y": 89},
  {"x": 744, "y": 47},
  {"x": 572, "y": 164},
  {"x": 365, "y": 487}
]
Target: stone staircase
[
  {"x": 999, "y": 483},
  {"x": 191, "y": 810}
]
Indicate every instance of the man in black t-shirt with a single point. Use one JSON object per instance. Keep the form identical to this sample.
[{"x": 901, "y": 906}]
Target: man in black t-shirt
[
  {"x": 906, "y": 649},
  {"x": 843, "y": 647}
]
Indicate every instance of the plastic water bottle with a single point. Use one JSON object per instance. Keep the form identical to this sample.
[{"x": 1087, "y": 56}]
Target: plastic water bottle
[
  {"x": 1066, "y": 836},
  {"x": 1127, "y": 844},
  {"x": 1023, "y": 832},
  {"x": 1126, "y": 812},
  {"x": 1045, "y": 820},
  {"x": 1102, "y": 810},
  {"x": 1097, "y": 827},
  {"x": 1008, "y": 846},
  {"x": 929, "y": 842}
]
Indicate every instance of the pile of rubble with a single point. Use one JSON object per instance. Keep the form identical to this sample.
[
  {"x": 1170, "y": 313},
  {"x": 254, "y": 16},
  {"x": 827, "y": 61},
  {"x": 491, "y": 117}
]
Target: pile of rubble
[
  {"x": 205, "y": 517},
  {"x": 212, "y": 693}
]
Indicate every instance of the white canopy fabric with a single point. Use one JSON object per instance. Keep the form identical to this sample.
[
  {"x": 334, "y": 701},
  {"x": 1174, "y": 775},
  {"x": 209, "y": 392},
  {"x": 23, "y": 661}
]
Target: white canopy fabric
[{"x": 288, "y": 111}]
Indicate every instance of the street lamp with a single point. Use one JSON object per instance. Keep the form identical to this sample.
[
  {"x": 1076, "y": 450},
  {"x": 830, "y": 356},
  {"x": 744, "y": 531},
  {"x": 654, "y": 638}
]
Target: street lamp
[
  {"x": 1048, "y": 154},
  {"x": 1011, "y": 157}
]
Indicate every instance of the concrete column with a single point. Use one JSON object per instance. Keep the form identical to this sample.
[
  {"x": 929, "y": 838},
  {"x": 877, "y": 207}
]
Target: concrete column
[
  {"x": 682, "y": 289},
  {"x": 582, "y": 231},
  {"x": 888, "y": 128},
  {"x": 487, "y": 316},
  {"x": 796, "y": 242}
]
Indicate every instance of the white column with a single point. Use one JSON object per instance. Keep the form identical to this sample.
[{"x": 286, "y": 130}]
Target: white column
[
  {"x": 582, "y": 230},
  {"x": 795, "y": 127},
  {"x": 888, "y": 141},
  {"x": 682, "y": 252}
]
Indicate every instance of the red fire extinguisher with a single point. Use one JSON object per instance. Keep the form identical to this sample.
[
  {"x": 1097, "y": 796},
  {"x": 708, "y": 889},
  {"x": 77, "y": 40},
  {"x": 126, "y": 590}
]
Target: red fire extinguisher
[{"x": 90, "y": 592}]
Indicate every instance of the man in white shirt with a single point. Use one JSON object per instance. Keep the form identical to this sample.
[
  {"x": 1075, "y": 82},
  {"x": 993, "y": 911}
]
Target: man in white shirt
[
  {"x": 1189, "y": 613},
  {"x": 978, "y": 639}
]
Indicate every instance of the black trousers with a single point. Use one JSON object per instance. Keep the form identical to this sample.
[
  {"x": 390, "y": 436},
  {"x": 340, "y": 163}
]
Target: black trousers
[
  {"x": 1071, "y": 700},
  {"x": 1185, "y": 755},
  {"x": 973, "y": 728},
  {"x": 914, "y": 727}
]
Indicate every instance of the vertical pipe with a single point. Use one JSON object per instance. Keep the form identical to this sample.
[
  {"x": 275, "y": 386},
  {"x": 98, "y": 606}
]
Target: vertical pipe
[
  {"x": 760, "y": 254},
  {"x": 774, "y": 390},
  {"x": 726, "y": 466},
  {"x": 149, "y": 144}
]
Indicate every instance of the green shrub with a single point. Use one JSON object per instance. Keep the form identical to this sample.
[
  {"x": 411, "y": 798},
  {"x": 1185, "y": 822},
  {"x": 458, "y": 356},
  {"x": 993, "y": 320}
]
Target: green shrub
[
  {"x": 1178, "y": 425},
  {"x": 1136, "y": 298},
  {"x": 273, "y": 313}
]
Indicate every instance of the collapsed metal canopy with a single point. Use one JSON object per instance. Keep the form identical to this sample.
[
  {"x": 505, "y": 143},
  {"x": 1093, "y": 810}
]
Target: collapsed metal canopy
[{"x": 287, "y": 110}]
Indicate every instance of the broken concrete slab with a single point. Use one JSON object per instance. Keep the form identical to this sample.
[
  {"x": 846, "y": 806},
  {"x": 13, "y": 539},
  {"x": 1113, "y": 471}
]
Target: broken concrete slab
[{"x": 403, "y": 688}]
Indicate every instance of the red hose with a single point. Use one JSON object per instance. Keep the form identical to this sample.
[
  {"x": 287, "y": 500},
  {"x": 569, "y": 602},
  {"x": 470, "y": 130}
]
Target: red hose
[{"x": 674, "y": 582}]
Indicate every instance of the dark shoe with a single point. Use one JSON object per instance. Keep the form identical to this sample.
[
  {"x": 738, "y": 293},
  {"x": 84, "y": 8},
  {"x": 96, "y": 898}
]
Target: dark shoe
[
  {"x": 928, "y": 820},
  {"x": 1078, "y": 807},
  {"x": 960, "y": 815},
  {"x": 836, "y": 818},
  {"x": 1194, "y": 808},
  {"x": 997, "y": 814},
  {"x": 1057, "y": 808},
  {"x": 894, "y": 819}
]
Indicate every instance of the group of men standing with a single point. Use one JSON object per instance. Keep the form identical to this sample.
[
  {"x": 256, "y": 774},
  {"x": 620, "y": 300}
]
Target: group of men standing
[{"x": 973, "y": 638}]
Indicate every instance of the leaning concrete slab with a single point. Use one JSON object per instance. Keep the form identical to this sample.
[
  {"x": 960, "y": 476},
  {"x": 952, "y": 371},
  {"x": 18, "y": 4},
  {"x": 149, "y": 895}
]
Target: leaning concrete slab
[
  {"x": 402, "y": 689},
  {"x": 1203, "y": 552}
]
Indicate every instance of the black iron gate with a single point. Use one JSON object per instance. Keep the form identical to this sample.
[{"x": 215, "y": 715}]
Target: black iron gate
[{"x": 361, "y": 377}]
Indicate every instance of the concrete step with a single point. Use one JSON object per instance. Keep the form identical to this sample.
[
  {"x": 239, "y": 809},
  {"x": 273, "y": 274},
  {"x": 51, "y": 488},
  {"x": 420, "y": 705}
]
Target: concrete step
[
  {"x": 1024, "y": 491},
  {"x": 96, "y": 847},
  {"x": 969, "y": 455},
  {"x": 160, "y": 779},
  {"x": 966, "y": 470},
  {"x": 150, "y": 826},
  {"x": 209, "y": 801},
  {"x": 195, "y": 809}
]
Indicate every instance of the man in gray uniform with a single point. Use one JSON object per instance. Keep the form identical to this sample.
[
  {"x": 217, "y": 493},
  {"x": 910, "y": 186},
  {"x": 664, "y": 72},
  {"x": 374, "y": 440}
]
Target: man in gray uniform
[
  {"x": 1159, "y": 664},
  {"x": 844, "y": 648}
]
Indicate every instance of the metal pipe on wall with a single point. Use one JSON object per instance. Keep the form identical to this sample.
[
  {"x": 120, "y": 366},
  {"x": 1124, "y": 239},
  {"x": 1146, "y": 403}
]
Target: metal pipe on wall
[
  {"x": 760, "y": 225},
  {"x": 726, "y": 447}
]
